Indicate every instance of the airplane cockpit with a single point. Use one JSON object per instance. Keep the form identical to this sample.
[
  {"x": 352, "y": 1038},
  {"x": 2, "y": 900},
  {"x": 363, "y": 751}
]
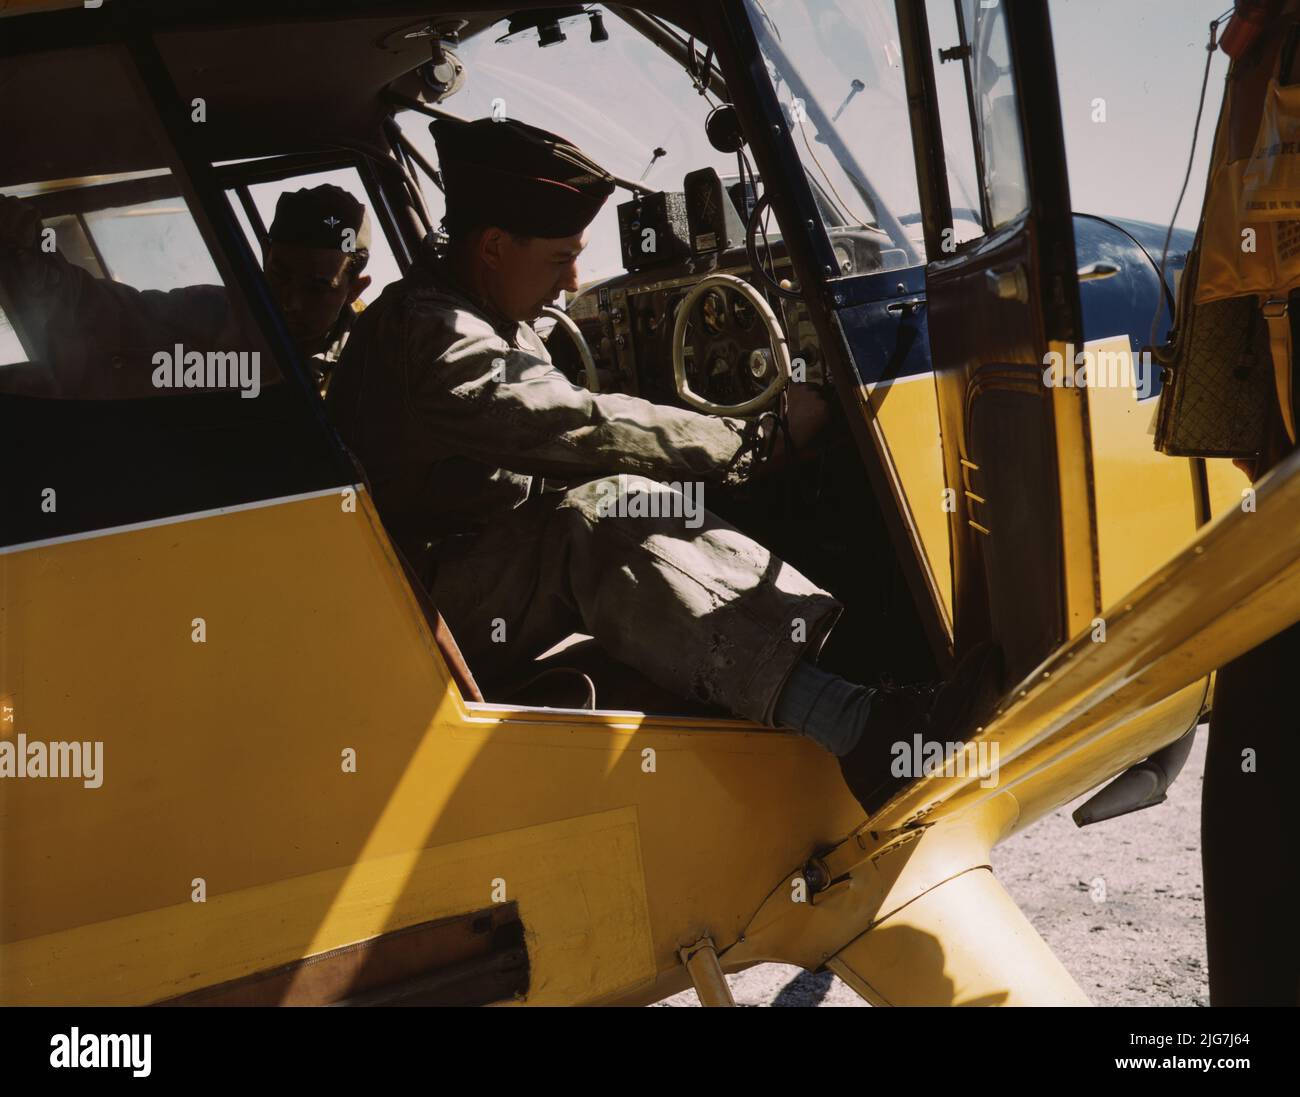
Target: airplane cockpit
[
  {"x": 689, "y": 295},
  {"x": 154, "y": 145}
]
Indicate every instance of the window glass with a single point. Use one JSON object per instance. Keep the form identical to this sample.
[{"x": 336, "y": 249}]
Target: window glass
[
  {"x": 92, "y": 297},
  {"x": 74, "y": 243},
  {"x": 624, "y": 102},
  {"x": 151, "y": 245},
  {"x": 997, "y": 113},
  {"x": 382, "y": 268},
  {"x": 837, "y": 69},
  {"x": 107, "y": 286},
  {"x": 11, "y": 350},
  {"x": 133, "y": 382},
  {"x": 955, "y": 122}
]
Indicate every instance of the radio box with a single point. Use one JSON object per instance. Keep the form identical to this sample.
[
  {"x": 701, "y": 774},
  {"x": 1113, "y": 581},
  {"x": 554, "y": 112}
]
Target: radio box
[{"x": 653, "y": 230}]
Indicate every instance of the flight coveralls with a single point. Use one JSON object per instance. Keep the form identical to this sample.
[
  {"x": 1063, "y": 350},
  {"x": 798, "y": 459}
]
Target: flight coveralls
[
  {"x": 98, "y": 337},
  {"x": 461, "y": 422}
]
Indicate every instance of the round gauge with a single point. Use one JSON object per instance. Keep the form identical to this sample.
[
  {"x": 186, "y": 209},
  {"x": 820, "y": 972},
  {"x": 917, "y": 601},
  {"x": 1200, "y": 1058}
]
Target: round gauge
[
  {"x": 715, "y": 312},
  {"x": 760, "y": 364},
  {"x": 743, "y": 313}
]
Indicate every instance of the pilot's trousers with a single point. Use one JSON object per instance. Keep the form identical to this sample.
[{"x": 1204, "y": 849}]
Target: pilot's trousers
[
  {"x": 1250, "y": 833},
  {"x": 706, "y": 613}
]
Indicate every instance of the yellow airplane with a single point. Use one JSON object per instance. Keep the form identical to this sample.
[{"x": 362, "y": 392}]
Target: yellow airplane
[{"x": 243, "y": 761}]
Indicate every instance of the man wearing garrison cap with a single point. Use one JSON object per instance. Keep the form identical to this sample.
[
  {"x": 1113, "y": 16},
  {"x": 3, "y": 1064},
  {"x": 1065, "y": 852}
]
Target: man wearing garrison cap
[
  {"x": 91, "y": 329},
  {"x": 450, "y": 400},
  {"x": 317, "y": 246}
]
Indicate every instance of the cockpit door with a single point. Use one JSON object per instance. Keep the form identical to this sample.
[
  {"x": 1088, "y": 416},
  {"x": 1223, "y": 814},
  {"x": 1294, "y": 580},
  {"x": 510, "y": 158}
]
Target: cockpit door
[
  {"x": 977, "y": 285},
  {"x": 1004, "y": 320}
]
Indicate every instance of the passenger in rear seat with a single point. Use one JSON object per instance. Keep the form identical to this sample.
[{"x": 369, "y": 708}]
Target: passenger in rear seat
[
  {"x": 450, "y": 400},
  {"x": 99, "y": 337}
]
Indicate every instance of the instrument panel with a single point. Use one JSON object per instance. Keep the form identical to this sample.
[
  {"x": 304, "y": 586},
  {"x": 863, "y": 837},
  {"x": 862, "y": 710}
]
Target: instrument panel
[
  {"x": 628, "y": 322},
  {"x": 669, "y": 243}
]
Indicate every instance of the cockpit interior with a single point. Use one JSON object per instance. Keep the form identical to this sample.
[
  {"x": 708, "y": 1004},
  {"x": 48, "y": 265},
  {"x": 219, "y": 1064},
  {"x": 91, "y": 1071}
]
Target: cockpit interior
[{"x": 137, "y": 182}]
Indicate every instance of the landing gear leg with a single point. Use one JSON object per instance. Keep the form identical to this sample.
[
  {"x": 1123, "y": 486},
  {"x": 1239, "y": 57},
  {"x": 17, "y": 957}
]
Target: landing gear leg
[
  {"x": 701, "y": 960},
  {"x": 963, "y": 943}
]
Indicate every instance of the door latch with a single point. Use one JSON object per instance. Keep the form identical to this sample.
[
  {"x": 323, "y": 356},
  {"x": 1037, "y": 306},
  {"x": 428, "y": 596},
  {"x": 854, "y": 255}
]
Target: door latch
[
  {"x": 1010, "y": 284},
  {"x": 1095, "y": 272}
]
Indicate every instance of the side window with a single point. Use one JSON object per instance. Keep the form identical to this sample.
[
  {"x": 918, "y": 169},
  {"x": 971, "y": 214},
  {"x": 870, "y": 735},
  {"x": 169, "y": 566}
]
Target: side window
[
  {"x": 135, "y": 383},
  {"x": 382, "y": 267},
  {"x": 11, "y": 349},
  {"x": 100, "y": 280},
  {"x": 995, "y": 111},
  {"x": 150, "y": 245},
  {"x": 955, "y": 122},
  {"x": 73, "y": 240},
  {"x": 115, "y": 233}
]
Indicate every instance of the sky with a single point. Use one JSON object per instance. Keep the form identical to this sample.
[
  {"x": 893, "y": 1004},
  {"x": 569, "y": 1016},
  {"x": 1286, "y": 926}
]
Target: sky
[{"x": 1146, "y": 59}]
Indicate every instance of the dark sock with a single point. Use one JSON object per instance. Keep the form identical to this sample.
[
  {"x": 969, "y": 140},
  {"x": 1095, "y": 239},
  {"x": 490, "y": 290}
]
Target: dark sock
[{"x": 824, "y": 707}]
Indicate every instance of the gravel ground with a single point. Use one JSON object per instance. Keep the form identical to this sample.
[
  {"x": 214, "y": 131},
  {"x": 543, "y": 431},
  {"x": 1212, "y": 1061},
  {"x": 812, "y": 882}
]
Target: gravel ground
[{"x": 1120, "y": 903}]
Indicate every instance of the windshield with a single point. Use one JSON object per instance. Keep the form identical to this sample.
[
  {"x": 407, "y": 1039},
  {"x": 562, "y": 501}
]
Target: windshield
[
  {"x": 837, "y": 69},
  {"x": 624, "y": 102}
]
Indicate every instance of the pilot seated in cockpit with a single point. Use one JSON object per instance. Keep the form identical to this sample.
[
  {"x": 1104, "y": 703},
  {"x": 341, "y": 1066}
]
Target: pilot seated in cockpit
[{"x": 448, "y": 397}]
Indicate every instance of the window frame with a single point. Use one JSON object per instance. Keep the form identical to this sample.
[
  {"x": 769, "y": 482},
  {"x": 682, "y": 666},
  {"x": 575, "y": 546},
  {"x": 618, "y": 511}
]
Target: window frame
[{"x": 241, "y": 175}]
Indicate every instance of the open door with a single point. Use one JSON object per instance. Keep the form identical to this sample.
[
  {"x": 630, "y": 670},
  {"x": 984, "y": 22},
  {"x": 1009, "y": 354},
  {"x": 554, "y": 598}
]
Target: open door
[
  {"x": 1003, "y": 301},
  {"x": 958, "y": 262}
]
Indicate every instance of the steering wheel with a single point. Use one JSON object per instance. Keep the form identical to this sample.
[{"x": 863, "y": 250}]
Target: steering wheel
[
  {"x": 775, "y": 337},
  {"x": 565, "y": 321}
]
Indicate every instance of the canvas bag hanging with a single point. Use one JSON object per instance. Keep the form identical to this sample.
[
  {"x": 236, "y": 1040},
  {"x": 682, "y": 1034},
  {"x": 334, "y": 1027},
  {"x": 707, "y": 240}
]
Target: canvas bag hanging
[{"x": 1249, "y": 242}]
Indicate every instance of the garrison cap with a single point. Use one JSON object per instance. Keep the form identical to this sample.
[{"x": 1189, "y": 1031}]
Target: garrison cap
[
  {"x": 517, "y": 177},
  {"x": 315, "y": 217}
]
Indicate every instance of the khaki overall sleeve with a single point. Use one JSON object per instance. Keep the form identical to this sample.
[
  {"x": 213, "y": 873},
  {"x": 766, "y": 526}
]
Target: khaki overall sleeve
[
  {"x": 97, "y": 336},
  {"x": 488, "y": 400}
]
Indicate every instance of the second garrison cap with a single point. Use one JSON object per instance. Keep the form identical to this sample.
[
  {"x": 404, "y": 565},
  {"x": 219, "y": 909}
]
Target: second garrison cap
[
  {"x": 315, "y": 217},
  {"x": 517, "y": 177}
]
